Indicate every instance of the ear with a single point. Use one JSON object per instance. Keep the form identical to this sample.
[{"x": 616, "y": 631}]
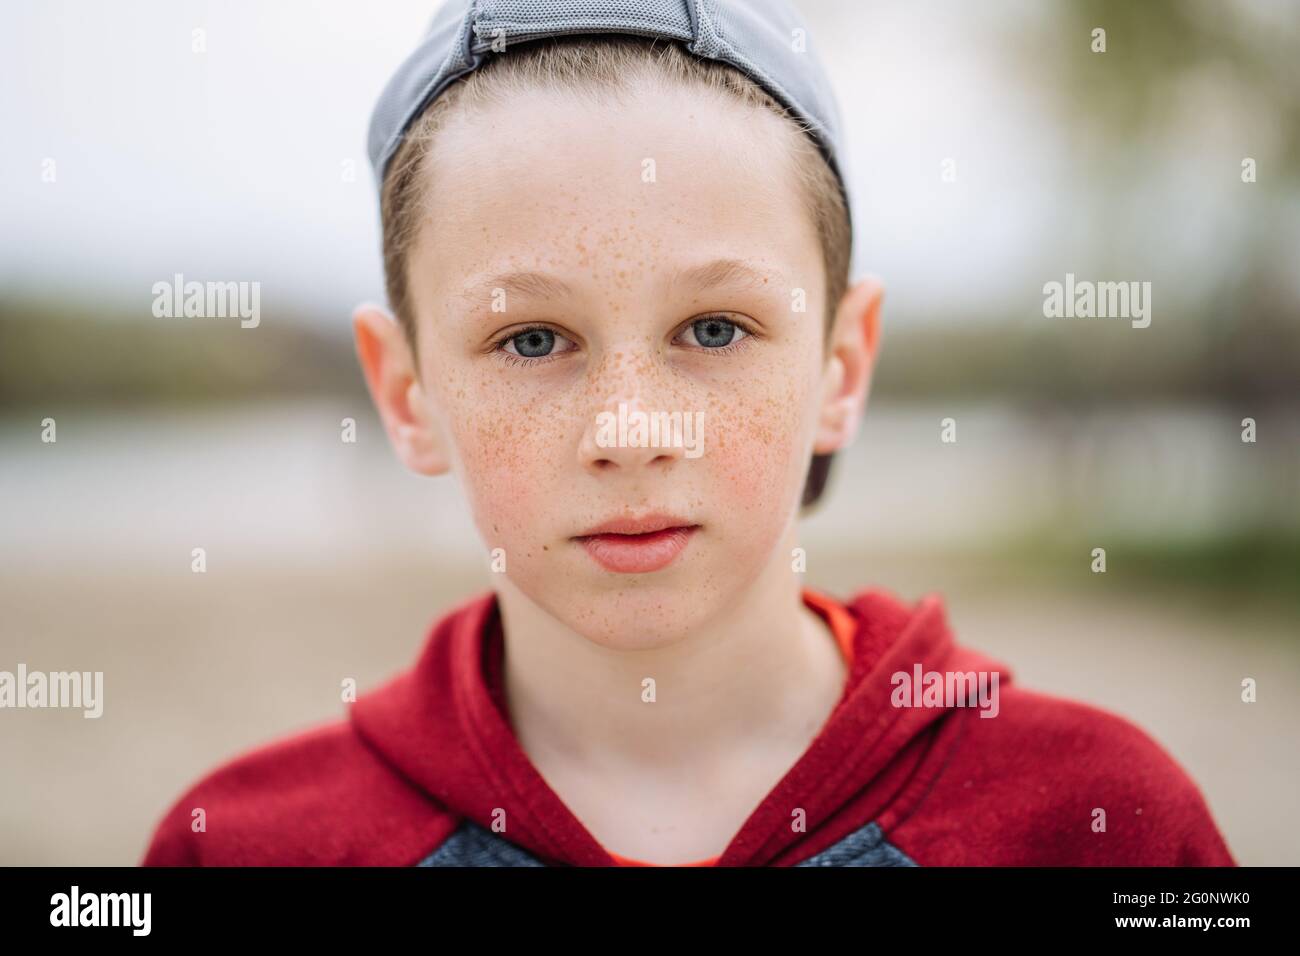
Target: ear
[
  {"x": 399, "y": 396},
  {"x": 855, "y": 338}
]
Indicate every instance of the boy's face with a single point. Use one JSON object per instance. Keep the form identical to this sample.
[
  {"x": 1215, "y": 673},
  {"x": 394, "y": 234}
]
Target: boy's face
[{"x": 657, "y": 255}]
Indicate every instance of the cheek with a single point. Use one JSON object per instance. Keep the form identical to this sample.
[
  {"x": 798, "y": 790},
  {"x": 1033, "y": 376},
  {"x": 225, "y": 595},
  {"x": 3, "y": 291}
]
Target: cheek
[
  {"x": 506, "y": 452},
  {"x": 501, "y": 489},
  {"x": 759, "y": 445}
]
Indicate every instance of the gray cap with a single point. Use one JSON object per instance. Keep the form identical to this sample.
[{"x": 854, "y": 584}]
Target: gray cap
[{"x": 756, "y": 36}]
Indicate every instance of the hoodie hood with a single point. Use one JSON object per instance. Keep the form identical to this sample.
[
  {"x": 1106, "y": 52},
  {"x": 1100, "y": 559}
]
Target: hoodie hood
[
  {"x": 903, "y": 772},
  {"x": 443, "y": 726}
]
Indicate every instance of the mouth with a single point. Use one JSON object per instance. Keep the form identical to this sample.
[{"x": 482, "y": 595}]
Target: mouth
[{"x": 637, "y": 545}]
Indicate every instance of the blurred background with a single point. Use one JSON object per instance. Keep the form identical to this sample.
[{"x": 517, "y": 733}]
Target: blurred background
[{"x": 130, "y": 157}]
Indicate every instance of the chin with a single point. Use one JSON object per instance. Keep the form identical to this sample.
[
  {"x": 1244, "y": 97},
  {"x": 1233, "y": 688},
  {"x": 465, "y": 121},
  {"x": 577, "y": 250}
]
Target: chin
[{"x": 636, "y": 616}]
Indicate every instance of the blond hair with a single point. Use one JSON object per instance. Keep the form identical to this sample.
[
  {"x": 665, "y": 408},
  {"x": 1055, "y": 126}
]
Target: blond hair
[{"x": 589, "y": 63}]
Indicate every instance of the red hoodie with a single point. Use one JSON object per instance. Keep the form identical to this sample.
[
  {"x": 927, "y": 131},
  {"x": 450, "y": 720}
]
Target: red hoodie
[{"x": 426, "y": 768}]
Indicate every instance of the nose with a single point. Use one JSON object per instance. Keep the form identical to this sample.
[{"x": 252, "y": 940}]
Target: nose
[{"x": 629, "y": 433}]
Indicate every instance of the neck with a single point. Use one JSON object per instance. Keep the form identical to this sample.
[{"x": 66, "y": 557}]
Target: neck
[{"x": 763, "y": 671}]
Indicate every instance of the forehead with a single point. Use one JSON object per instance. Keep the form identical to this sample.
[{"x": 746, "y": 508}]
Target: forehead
[{"x": 599, "y": 188}]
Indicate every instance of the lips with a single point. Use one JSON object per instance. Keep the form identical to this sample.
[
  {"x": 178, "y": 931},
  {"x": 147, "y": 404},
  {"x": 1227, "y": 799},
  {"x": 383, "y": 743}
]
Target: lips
[{"x": 637, "y": 545}]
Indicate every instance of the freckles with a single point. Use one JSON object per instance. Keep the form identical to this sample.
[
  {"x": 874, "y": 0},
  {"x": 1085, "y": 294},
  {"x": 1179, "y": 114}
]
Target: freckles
[
  {"x": 754, "y": 443},
  {"x": 745, "y": 473},
  {"x": 507, "y": 500},
  {"x": 509, "y": 448},
  {"x": 750, "y": 461}
]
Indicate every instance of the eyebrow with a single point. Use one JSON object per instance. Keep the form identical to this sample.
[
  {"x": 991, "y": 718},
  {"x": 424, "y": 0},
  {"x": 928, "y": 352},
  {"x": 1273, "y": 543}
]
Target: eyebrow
[
  {"x": 722, "y": 272},
  {"x": 543, "y": 285},
  {"x": 539, "y": 285}
]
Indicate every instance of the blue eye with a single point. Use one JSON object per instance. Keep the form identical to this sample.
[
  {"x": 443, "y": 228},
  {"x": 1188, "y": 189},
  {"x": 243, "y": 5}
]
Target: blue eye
[
  {"x": 535, "y": 346},
  {"x": 716, "y": 333},
  {"x": 533, "y": 343}
]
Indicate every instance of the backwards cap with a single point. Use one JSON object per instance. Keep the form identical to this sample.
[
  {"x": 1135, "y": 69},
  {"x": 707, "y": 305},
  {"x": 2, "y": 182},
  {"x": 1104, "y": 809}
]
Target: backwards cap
[{"x": 761, "y": 38}]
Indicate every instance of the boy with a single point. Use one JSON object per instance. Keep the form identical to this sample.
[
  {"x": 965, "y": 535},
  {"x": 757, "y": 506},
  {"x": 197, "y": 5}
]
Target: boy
[{"x": 605, "y": 223}]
